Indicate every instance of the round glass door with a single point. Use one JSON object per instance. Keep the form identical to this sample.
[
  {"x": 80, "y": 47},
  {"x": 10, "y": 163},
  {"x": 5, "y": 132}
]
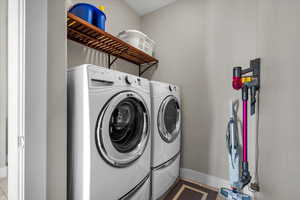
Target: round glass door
[
  {"x": 123, "y": 129},
  {"x": 169, "y": 119}
]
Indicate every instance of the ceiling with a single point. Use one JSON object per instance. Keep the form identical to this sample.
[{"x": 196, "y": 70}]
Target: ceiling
[{"x": 143, "y": 7}]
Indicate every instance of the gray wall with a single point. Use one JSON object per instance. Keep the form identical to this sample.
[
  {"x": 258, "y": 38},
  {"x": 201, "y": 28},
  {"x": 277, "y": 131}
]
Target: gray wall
[
  {"x": 198, "y": 44},
  {"x": 3, "y": 82},
  {"x": 119, "y": 17},
  {"x": 57, "y": 102},
  {"x": 279, "y": 45},
  {"x": 178, "y": 33},
  {"x": 35, "y": 100}
]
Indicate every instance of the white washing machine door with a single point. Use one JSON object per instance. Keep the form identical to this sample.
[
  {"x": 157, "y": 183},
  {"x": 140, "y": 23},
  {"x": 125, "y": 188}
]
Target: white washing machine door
[
  {"x": 122, "y": 131},
  {"x": 169, "y": 119}
]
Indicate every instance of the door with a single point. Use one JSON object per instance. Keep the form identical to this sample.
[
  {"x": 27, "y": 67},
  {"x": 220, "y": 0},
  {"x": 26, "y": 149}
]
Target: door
[
  {"x": 27, "y": 90},
  {"x": 3, "y": 100},
  {"x": 169, "y": 119},
  {"x": 122, "y": 131}
]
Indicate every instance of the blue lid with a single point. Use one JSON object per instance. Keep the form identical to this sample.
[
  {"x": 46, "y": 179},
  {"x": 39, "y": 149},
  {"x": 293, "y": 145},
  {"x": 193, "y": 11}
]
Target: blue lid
[{"x": 90, "y": 6}]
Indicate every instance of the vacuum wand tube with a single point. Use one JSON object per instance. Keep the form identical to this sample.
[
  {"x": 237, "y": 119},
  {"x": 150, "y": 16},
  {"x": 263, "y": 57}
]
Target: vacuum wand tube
[{"x": 246, "y": 177}]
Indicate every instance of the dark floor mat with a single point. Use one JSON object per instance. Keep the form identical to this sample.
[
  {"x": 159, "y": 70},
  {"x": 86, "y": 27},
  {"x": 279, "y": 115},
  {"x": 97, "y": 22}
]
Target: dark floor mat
[{"x": 189, "y": 190}]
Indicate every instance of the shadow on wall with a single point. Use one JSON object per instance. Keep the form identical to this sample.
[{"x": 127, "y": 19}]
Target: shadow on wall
[
  {"x": 150, "y": 72},
  {"x": 182, "y": 60},
  {"x": 78, "y": 55},
  {"x": 195, "y": 142},
  {"x": 196, "y": 103},
  {"x": 120, "y": 17}
]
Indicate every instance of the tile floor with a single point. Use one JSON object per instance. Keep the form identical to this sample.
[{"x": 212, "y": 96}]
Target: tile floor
[{"x": 3, "y": 189}]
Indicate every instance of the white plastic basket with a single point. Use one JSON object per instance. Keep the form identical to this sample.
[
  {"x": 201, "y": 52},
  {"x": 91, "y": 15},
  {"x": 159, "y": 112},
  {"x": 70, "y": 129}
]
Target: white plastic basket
[{"x": 138, "y": 40}]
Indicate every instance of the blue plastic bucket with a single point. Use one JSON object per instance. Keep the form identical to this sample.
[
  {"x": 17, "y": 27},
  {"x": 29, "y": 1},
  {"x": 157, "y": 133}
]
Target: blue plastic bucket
[
  {"x": 99, "y": 19},
  {"x": 89, "y": 13},
  {"x": 84, "y": 11}
]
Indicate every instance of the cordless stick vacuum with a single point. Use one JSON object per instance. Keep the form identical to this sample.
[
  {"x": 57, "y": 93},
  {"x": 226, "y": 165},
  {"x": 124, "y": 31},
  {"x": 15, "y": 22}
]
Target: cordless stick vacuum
[{"x": 244, "y": 80}]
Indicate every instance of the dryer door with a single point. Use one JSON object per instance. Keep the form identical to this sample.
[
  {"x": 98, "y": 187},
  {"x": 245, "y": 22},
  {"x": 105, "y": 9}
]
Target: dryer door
[
  {"x": 169, "y": 119},
  {"x": 122, "y": 131}
]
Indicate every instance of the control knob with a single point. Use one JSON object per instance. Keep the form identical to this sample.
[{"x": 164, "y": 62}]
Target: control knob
[{"x": 128, "y": 80}]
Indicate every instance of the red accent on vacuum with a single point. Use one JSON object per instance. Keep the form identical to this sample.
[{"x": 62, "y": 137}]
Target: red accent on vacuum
[{"x": 237, "y": 83}]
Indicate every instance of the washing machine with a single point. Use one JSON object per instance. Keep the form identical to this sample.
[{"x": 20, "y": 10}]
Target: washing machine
[
  {"x": 166, "y": 137},
  {"x": 109, "y": 128}
]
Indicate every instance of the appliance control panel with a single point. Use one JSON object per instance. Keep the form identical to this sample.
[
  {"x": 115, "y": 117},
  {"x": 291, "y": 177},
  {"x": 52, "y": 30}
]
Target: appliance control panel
[
  {"x": 99, "y": 76},
  {"x": 135, "y": 81}
]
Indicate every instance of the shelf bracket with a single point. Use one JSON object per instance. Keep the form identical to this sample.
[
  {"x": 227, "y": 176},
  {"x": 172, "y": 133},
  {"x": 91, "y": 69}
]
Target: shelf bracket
[
  {"x": 110, "y": 63},
  {"x": 150, "y": 65}
]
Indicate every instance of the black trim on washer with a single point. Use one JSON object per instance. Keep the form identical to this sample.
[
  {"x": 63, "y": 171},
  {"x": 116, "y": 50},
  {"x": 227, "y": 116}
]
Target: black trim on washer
[
  {"x": 135, "y": 189},
  {"x": 167, "y": 163},
  {"x": 102, "y": 81}
]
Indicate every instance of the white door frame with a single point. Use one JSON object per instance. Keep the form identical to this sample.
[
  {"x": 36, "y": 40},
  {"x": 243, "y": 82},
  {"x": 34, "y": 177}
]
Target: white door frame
[
  {"x": 16, "y": 97},
  {"x": 27, "y": 99}
]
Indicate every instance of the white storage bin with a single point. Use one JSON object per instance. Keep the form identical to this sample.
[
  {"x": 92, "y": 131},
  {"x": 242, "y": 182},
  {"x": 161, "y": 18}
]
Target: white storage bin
[{"x": 138, "y": 40}]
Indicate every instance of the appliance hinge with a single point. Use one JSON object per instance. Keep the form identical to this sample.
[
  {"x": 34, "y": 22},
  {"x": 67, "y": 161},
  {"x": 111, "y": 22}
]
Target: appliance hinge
[{"x": 21, "y": 142}]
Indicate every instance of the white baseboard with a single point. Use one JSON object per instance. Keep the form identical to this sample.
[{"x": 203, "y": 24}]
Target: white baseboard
[
  {"x": 3, "y": 172},
  {"x": 203, "y": 178},
  {"x": 209, "y": 180}
]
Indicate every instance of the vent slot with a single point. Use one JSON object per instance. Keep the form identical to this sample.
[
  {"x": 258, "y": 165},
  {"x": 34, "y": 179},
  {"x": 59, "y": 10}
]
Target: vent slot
[{"x": 99, "y": 83}]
